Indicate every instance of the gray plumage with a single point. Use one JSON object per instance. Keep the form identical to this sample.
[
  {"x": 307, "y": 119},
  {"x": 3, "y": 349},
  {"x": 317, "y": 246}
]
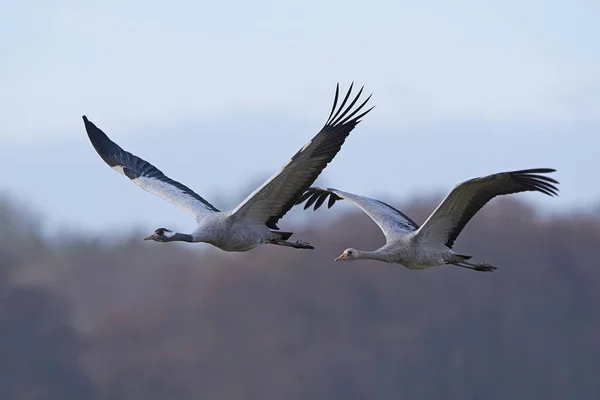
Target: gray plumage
[
  {"x": 431, "y": 244},
  {"x": 254, "y": 221}
]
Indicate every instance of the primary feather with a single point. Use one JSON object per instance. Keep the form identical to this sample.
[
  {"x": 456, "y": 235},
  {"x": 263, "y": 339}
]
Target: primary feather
[
  {"x": 391, "y": 221},
  {"x": 466, "y": 199},
  {"x": 278, "y": 194},
  {"x": 146, "y": 175}
]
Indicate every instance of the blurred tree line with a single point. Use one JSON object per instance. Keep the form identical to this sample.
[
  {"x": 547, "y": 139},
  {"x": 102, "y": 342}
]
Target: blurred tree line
[{"x": 83, "y": 319}]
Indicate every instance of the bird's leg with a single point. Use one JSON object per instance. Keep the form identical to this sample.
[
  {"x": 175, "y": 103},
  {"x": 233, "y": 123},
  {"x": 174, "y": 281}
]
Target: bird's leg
[
  {"x": 302, "y": 242},
  {"x": 483, "y": 267},
  {"x": 297, "y": 245}
]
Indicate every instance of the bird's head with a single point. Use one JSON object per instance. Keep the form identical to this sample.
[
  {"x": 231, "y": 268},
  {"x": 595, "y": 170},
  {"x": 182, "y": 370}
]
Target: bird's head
[
  {"x": 348, "y": 255},
  {"x": 161, "y": 235}
]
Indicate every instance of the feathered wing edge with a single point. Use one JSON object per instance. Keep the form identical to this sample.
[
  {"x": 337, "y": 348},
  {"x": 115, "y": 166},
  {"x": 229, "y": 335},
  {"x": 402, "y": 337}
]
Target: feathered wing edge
[
  {"x": 277, "y": 196},
  {"x": 146, "y": 175},
  {"x": 389, "y": 219},
  {"x": 467, "y": 198}
]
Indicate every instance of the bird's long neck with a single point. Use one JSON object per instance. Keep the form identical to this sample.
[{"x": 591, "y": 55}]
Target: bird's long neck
[
  {"x": 181, "y": 237},
  {"x": 373, "y": 255}
]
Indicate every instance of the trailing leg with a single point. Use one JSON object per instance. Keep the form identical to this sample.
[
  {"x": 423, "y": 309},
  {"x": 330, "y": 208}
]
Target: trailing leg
[
  {"x": 297, "y": 245},
  {"x": 461, "y": 261},
  {"x": 484, "y": 267}
]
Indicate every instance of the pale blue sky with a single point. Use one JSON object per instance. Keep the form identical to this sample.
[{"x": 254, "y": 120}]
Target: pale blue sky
[{"x": 220, "y": 94}]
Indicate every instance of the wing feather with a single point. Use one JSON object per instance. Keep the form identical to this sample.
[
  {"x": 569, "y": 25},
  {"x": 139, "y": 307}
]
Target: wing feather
[
  {"x": 466, "y": 199},
  {"x": 273, "y": 199},
  {"x": 146, "y": 175},
  {"x": 391, "y": 221}
]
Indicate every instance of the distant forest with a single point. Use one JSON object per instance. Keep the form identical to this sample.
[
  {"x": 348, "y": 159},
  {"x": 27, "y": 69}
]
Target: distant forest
[{"x": 83, "y": 319}]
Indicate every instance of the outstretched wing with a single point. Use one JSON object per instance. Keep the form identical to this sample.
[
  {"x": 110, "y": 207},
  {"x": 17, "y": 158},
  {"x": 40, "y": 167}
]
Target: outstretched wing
[
  {"x": 146, "y": 175},
  {"x": 278, "y": 195},
  {"x": 466, "y": 199},
  {"x": 392, "y": 222}
]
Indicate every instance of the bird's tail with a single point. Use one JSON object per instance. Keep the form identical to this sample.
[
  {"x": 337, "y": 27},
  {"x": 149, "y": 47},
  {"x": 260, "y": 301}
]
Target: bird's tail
[
  {"x": 283, "y": 235},
  {"x": 461, "y": 261}
]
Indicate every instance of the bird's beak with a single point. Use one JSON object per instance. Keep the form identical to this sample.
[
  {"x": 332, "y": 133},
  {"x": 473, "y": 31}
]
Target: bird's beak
[
  {"x": 340, "y": 258},
  {"x": 149, "y": 237}
]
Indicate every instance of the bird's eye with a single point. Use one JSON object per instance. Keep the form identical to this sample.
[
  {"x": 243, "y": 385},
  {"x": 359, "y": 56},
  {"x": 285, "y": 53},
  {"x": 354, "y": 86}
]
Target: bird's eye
[
  {"x": 160, "y": 231},
  {"x": 350, "y": 252}
]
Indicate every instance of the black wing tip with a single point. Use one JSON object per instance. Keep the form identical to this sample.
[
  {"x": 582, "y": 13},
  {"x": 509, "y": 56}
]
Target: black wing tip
[
  {"x": 93, "y": 131},
  {"x": 339, "y": 116},
  {"x": 317, "y": 196},
  {"x": 101, "y": 142},
  {"x": 90, "y": 127},
  {"x": 88, "y": 124},
  {"x": 534, "y": 171},
  {"x": 307, "y": 193},
  {"x": 536, "y": 182},
  {"x": 358, "y": 118}
]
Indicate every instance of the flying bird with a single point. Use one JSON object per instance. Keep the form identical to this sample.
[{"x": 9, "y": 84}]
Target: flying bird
[
  {"x": 254, "y": 221},
  {"x": 431, "y": 244}
]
